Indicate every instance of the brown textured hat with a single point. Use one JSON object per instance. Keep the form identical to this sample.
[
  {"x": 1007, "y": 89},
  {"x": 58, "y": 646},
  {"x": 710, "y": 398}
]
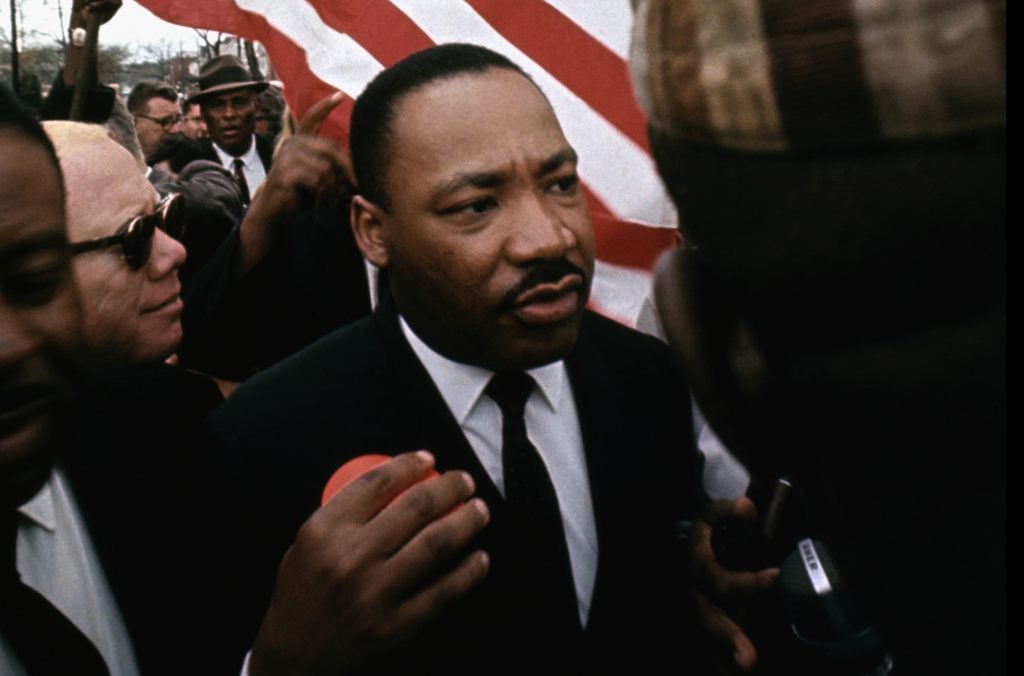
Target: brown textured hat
[
  {"x": 224, "y": 74},
  {"x": 776, "y": 75}
]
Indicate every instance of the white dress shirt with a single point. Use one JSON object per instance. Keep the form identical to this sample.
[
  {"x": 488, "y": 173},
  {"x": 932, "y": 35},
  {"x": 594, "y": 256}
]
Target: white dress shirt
[
  {"x": 252, "y": 166},
  {"x": 724, "y": 477},
  {"x": 56, "y": 557},
  {"x": 554, "y": 429}
]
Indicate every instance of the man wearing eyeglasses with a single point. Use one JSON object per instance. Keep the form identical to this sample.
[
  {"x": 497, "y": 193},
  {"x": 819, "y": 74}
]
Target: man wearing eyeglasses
[
  {"x": 154, "y": 107},
  {"x": 228, "y": 98}
]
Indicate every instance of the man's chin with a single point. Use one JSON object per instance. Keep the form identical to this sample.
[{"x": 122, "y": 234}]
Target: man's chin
[
  {"x": 234, "y": 145},
  {"x": 22, "y": 478},
  {"x": 539, "y": 346}
]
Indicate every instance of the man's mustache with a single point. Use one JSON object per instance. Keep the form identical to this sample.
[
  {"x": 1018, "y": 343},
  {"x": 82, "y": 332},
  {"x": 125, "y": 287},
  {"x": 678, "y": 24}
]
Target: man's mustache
[{"x": 545, "y": 272}]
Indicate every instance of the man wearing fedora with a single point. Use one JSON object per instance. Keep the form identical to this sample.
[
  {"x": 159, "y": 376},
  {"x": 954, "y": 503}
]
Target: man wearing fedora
[{"x": 227, "y": 97}]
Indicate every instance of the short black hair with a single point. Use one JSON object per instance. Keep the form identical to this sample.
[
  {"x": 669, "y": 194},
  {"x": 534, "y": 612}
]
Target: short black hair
[
  {"x": 15, "y": 115},
  {"x": 144, "y": 90},
  {"x": 370, "y": 129}
]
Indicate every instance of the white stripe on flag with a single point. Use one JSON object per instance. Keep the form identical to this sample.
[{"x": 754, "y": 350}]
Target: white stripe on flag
[
  {"x": 333, "y": 57},
  {"x": 618, "y": 292},
  {"x": 606, "y": 154},
  {"x": 609, "y": 21}
]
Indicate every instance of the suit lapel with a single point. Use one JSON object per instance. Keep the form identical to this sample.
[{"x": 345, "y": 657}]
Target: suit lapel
[
  {"x": 606, "y": 431},
  {"x": 423, "y": 411},
  {"x": 600, "y": 425},
  {"x": 265, "y": 149}
]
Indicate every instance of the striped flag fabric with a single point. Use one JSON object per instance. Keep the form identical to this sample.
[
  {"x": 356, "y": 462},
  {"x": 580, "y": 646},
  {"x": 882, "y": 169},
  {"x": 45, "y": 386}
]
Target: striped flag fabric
[{"x": 576, "y": 51}]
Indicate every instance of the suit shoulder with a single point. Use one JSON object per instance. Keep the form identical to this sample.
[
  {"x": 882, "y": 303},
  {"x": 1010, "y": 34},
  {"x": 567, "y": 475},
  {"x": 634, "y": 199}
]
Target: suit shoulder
[
  {"x": 206, "y": 146},
  {"x": 265, "y": 149},
  {"x": 335, "y": 369},
  {"x": 620, "y": 343}
]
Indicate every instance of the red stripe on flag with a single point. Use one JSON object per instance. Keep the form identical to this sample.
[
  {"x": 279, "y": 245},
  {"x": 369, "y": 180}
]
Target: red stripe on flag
[
  {"x": 381, "y": 28},
  {"x": 626, "y": 243},
  {"x": 580, "y": 61},
  {"x": 302, "y": 88},
  {"x": 216, "y": 15}
]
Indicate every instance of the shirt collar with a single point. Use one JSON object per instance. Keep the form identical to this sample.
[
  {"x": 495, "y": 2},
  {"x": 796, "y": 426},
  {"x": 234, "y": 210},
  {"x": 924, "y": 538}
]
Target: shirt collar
[
  {"x": 461, "y": 385},
  {"x": 40, "y": 509},
  {"x": 248, "y": 157}
]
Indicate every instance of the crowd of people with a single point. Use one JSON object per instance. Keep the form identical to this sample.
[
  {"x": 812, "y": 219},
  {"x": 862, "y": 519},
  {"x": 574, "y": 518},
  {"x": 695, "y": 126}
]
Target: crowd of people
[{"x": 200, "y": 322}]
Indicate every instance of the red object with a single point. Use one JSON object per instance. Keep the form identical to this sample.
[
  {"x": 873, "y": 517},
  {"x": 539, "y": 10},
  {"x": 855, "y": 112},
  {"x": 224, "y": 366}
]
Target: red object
[{"x": 352, "y": 469}]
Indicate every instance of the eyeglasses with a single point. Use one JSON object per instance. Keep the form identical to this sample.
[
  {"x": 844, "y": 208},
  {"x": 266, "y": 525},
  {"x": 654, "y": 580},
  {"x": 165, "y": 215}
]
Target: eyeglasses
[
  {"x": 166, "y": 122},
  {"x": 136, "y": 236}
]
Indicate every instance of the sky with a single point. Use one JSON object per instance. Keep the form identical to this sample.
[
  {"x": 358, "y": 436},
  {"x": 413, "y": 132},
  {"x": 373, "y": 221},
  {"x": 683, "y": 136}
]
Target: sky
[{"x": 131, "y": 27}]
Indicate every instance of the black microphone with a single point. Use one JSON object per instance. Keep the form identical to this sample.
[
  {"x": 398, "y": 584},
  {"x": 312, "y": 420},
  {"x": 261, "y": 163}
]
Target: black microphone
[
  {"x": 836, "y": 637},
  {"x": 809, "y": 625}
]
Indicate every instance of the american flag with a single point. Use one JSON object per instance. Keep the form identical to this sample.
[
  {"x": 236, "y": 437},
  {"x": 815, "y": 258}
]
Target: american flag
[{"x": 576, "y": 51}]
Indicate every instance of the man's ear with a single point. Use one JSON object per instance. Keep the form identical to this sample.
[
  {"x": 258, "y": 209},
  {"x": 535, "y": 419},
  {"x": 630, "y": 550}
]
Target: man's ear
[{"x": 368, "y": 228}]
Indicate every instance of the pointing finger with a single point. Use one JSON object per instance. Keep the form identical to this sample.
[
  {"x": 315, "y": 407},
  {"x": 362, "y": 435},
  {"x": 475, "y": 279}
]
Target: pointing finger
[{"x": 318, "y": 112}]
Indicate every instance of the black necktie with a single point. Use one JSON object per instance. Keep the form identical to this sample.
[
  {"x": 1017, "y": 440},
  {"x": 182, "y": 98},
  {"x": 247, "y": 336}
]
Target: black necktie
[
  {"x": 535, "y": 519},
  {"x": 41, "y": 636},
  {"x": 243, "y": 185}
]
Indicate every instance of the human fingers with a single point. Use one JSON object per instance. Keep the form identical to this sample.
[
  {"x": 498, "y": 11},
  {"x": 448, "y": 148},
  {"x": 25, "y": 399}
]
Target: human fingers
[
  {"x": 312, "y": 172},
  {"x": 419, "y": 507},
  {"x": 729, "y": 638},
  {"x": 436, "y": 598},
  {"x": 736, "y": 586},
  {"x": 371, "y": 492},
  {"x": 329, "y": 150},
  {"x": 744, "y": 508},
  {"x": 105, "y": 9},
  {"x": 320, "y": 157},
  {"x": 318, "y": 112},
  {"x": 432, "y": 549},
  {"x": 341, "y": 161},
  {"x": 719, "y": 581}
]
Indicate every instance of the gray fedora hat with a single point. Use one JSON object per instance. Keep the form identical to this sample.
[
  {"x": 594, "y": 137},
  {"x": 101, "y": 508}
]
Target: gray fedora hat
[{"x": 224, "y": 74}]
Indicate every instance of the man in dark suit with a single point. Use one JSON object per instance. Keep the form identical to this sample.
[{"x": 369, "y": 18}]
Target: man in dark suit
[
  {"x": 228, "y": 97},
  {"x": 568, "y": 558}
]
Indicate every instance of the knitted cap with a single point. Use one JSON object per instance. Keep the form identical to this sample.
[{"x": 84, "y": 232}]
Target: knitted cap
[{"x": 776, "y": 75}]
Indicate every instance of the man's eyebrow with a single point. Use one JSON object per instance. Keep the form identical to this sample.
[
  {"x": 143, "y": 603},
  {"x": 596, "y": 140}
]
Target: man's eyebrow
[
  {"x": 51, "y": 240},
  {"x": 476, "y": 179},
  {"x": 490, "y": 179},
  {"x": 557, "y": 160}
]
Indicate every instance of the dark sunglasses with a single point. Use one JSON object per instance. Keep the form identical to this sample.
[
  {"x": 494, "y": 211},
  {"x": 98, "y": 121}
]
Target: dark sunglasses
[{"x": 136, "y": 236}]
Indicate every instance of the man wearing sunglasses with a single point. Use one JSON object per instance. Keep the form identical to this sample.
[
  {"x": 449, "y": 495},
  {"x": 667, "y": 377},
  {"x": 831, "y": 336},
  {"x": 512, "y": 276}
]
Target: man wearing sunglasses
[
  {"x": 125, "y": 259},
  {"x": 106, "y": 565}
]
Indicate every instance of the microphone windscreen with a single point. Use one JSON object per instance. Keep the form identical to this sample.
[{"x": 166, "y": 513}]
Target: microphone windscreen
[
  {"x": 349, "y": 471},
  {"x": 824, "y": 616},
  {"x": 354, "y": 468}
]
